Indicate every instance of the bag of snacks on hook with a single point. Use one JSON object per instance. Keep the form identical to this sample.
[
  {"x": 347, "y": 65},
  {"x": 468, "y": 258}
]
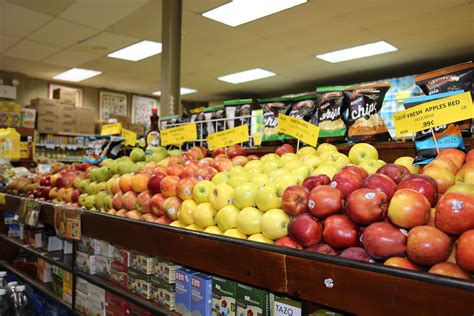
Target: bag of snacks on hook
[
  {"x": 330, "y": 114},
  {"x": 271, "y": 108}
]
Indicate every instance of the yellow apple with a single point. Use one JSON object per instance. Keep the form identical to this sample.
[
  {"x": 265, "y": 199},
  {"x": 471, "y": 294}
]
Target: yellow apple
[
  {"x": 221, "y": 177},
  {"x": 204, "y": 215},
  {"x": 326, "y": 169},
  {"x": 221, "y": 196},
  {"x": 257, "y": 164},
  {"x": 253, "y": 172},
  {"x": 235, "y": 233},
  {"x": 371, "y": 165},
  {"x": 408, "y": 162},
  {"x": 301, "y": 173},
  {"x": 307, "y": 150},
  {"x": 287, "y": 157},
  {"x": 248, "y": 220},
  {"x": 270, "y": 166},
  {"x": 338, "y": 160},
  {"x": 268, "y": 157},
  {"x": 325, "y": 155},
  {"x": 213, "y": 230},
  {"x": 260, "y": 180},
  {"x": 260, "y": 238},
  {"x": 235, "y": 170},
  {"x": 177, "y": 224},
  {"x": 267, "y": 197},
  {"x": 465, "y": 175},
  {"x": 294, "y": 164},
  {"x": 274, "y": 224},
  {"x": 464, "y": 188},
  {"x": 285, "y": 181},
  {"x": 226, "y": 218},
  {"x": 244, "y": 195},
  {"x": 194, "y": 227},
  {"x": 202, "y": 190},
  {"x": 325, "y": 147},
  {"x": 185, "y": 213},
  {"x": 361, "y": 152},
  {"x": 237, "y": 180},
  {"x": 381, "y": 162},
  {"x": 275, "y": 174},
  {"x": 311, "y": 160}
]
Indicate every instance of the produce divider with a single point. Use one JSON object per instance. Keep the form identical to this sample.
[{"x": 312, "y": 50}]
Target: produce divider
[{"x": 324, "y": 280}]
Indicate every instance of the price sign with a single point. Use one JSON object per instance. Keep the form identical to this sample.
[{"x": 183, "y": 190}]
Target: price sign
[
  {"x": 129, "y": 136},
  {"x": 111, "y": 129},
  {"x": 304, "y": 131},
  {"x": 434, "y": 113},
  {"x": 67, "y": 222},
  {"x": 228, "y": 137},
  {"x": 178, "y": 135}
]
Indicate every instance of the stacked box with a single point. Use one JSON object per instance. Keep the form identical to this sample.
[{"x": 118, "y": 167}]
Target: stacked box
[
  {"x": 67, "y": 286},
  {"x": 82, "y": 302},
  {"x": 106, "y": 249},
  {"x": 43, "y": 271},
  {"x": 28, "y": 118},
  {"x": 166, "y": 271},
  {"x": 253, "y": 300},
  {"x": 86, "y": 262},
  {"x": 143, "y": 263},
  {"x": 114, "y": 305},
  {"x": 67, "y": 247},
  {"x": 67, "y": 118},
  {"x": 33, "y": 237},
  {"x": 183, "y": 291},
  {"x": 201, "y": 294},
  {"x": 82, "y": 285},
  {"x": 103, "y": 266},
  {"x": 224, "y": 293},
  {"x": 139, "y": 283},
  {"x": 122, "y": 255},
  {"x": 137, "y": 128},
  {"x": 47, "y": 115},
  {"x": 163, "y": 293},
  {"x": 96, "y": 303},
  {"x": 119, "y": 274},
  {"x": 85, "y": 120},
  {"x": 285, "y": 306},
  {"x": 52, "y": 243},
  {"x": 89, "y": 245},
  {"x": 57, "y": 276}
]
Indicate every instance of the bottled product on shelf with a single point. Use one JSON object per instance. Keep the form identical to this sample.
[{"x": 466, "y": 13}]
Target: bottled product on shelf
[
  {"x": 4, "y": 307},
  {"x": 3, "y": 279},
  {"x": 22, "y": 305},
  {"x": 152, "y": 137}
]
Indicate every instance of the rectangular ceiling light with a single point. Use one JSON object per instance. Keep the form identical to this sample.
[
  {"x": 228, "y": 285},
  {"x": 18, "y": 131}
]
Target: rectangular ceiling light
[
  {"x": 138, "y": 51},
  {"x": 77, "y": 74},
  {"x": 182, "y": 91},
  {"x": 240, "y": 12},
  {"x": 247, "y": 75},
  {"x": 361, "y": 51}
]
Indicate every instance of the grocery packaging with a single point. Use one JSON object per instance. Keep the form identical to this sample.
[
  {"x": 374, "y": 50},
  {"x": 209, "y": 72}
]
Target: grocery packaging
[
  {"x": 119, "y": 274},
  {"x": 271, "y": 108},
  {"x": 331, "y": 109},
  {"x": 224, "y": 293},
  {"x": 183, "y": 291},
  {"x": 143, "y": 263},
  {"x": 214, "y": 113},
  {"x": 43, "y": 270},
  {"x": 201, "y": 294},
  {"x": 89, "y": 245},
  {"x": 163, "y": 293},
  {"x": 103, "y": 266},
  {"x": 166, "y": 271},
  {"x": 114, "y": 305},
  {"x": 139, "y": 283},
  {"x": 121, "y": 255},
  {"x": 254, "y": 301},
  {"x": 283, "y": 306},
  {"x": 85, "y": 262}
]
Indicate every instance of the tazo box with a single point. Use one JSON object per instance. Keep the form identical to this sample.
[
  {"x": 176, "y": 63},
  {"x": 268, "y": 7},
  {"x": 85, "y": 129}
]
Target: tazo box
[
  {"x": 119, "y": 274},
  {"x": 122, "y": 255},
  {"x": 224, "y": 293},
  {"x": 85, "y": 262},
  {"x": 103, "y": 266},
  {"x": 89, "y": 245},
  {"x": 201, "y": 294},
  {"x": 252, "y": 299},
  {"x": 183, "y": 291},
  {"x": 139, "y": 283},
  {"x": 167, "y": 271},
  {"x": 163, "y": 293},
  {"x": 283, "y": 306},
  {"x": 143, "y": 262}
]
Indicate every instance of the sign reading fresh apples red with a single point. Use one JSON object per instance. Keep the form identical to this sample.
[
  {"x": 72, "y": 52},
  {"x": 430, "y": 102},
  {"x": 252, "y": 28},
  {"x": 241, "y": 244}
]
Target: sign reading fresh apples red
[
  {"x": 228, "y": 137},
  {"x": 111, "y": 129},
  {"x": 304, "y": 131},
  {"x": 434, "y": 113},
  {"x": 178, "y": 135}
]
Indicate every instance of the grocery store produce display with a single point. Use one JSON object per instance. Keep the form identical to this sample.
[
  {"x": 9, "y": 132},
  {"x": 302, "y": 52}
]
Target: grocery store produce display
[{"x": 316, "y": 199}]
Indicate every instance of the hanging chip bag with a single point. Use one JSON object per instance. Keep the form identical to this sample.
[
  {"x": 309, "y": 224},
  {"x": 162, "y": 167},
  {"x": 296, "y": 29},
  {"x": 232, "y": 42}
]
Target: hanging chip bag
[
  {"x": 271, "y": 108},
  {"x": 330, "y": 113}
]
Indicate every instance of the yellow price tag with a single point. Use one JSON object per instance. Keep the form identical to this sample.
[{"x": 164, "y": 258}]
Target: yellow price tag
[
  {"x": 111, "y": 129},
  {"x": 434, "y": 113},
  {"x": 228, "y": 137},
  {"x": 257, "y": 139},
  {"x": 2, "y": 198},
  {"x": 302, "y": 130},
  {"x": 178, "y": 135},
  {"x": 130, "y": 137}
]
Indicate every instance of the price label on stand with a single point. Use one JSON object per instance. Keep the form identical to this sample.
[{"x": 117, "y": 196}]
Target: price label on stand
[
  {"x": 178, "y": 135},
  {"x": 434, "y": 113},
  {"x": 130, "y": 137},
  {"x": 111, "y": 129},
  {"x": 302, "y": 130},
  {"x": 67, "y": 222},
  {"x": 228, "y": 137},
  {"x": 32, "y": 210}
]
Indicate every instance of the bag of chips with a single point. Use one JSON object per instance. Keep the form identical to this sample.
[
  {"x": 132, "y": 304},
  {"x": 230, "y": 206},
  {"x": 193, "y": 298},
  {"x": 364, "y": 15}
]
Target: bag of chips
[
  {"x": 304, "y": 107},
  {"x": 271, "y": 108},
  {"x": 103, "y": 147},
  {"x": 240, "y": 111},
  {"x": 330, "y": 117},
  {"x": 364, "y": 120},
  {"x": 211, "y": 114},
  {"x": 452, "y": 78}
]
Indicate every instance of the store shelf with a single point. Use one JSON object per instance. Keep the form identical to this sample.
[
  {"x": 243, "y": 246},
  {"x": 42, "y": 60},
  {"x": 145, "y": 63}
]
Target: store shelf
[
  {"x": 55, "y": 257},
  {"x": 35, "y": 283},
  {"x": 67, "y": 134},
  {"x": 131, "y": 297},
  {"x": 59, "y": 146}
]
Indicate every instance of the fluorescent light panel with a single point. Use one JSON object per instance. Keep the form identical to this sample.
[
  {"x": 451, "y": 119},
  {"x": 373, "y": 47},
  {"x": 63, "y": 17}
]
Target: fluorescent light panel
[
  {"x": 247, "y": 75},
  {"x": 77, "y": 74},
  {"x": 240, "y": 12},
  {"x": 182, "y": 91},
  {"x": 138, "y": 51},
  {"x": 361, "y": 51}
]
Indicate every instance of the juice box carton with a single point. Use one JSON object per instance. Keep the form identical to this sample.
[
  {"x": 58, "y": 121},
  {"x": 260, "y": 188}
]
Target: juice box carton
[
  {"x": 251, "y": 300},
  {"x": 43, "y": 270},
  {"x": 139, "y": 283},
  {"x": 122, "y": 255},
  {"x": 143, "y": 263},
  {"x": 119, "y": 274},
  {"x": 86, "y": 262},
  {"x": 201, "y": 294},
  {"x": 183, "y": 291},
  {"x": 224, "y": 293},
  {"x": 114, "y": 305},
  {"x": 103, "y": 266},
  {"x": 163, "y": 293},
  {"x": 89, "y": 245},
  {"x": 166, "y": 271},
  {"x": 283, "y": 306},
  {"x": 67, "y": 286}
]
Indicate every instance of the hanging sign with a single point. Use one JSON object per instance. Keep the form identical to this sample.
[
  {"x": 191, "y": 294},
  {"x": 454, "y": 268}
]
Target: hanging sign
[
  {"x": 228, "y": 137},
  {"x": 178, "y": 135},
  {"x": 302, "y": 130}
]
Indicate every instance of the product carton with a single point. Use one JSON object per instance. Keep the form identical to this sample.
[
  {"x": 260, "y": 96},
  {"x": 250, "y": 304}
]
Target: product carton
[
  {"x": 67, "y": 247},
  {"x": 86, "y": 262},
  {"x": 82, "y": 285},
  {"x": 28, "y": 118},
  {"x": 45, "y": 107},
  {"x": 103, "y": 266},
  {"x": 122, "y": 119},
  {"x": 96, "y": 294},
  {"x": 142, "y": 262},
  {"x": 122, "y": 255},
  {"x": 43, "y": 271},
  {"x": 283, "y": 306},
  {"x": 67, "y": 286},
  {"x": 67, "y": 112},
  {"x": 52, "y": 243},
  {"x": 89, "y": 245},
  {"x": 82, "y": 301},
  {"x": 57, "y": 280},
  {"x": 257, "y": 301},
  {"x": 139, "y": 283},
  {"x": 224, "y": 293},
  {"x": 48, "y": 124},
  {"x": 119, "y": 274},
  {"x": 134, "y": 310},
  {"x": 201, "y": 294},
  {"x": 183, "y": 291},
  {"x": 106, "y": 249},
  {"x": 137, "y": 128},
  {"x": 163, "y": 293},
  {"x": 114, "y": 305},
  {"x": 166, "y": 271}
]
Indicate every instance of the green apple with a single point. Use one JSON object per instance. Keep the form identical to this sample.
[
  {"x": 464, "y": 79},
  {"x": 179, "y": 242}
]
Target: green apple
[
  {"x": 92, "y": 188},
  {"x": 163, "y": 162},
  {"x": 284, "y": 181},
  {"x": 104, "y": 174},
  {"x": 204, "y": 215},
  {"x": 93, "y": 172},
  {"x": 89, "y": 202},
  {"x": 237, "y": 180},
  {"x": 221, "y": 196},
  {"x": 108, "y": 202},
  {"x": 157, "y": 150},
  {"x": 83, "y": 186},
  {"x": 137, "y": 154},
  {"x": 371, "y": 165},
  {"x": 308, "y": 150},
  {"x": 201, "y": 191},
  {"x": 326, "y": 169},
  {"x": 271, "y": 165},
  {"x": 260, "y": 238},
  {"x": 361, "y": 152},
  {"x": 82, "y": 199},
  {"x": 248, "y": 221},
  {"x": 268, "y": 157},
  {"x": 213, "y": 230},
  {"x": 185, "y": 213},
  {"x": 267, "y": 197},
  {"x": 253, "y": 172},
  {"x": 227, "y": 217},
  {"x": 258, "y": 164},
  {"x": 301, "y": 173},
  {"x": 237, "y": 170},
  {"x": 101, "y": 186},
  {"x": 175, "y": 152},
  {"x": 244, "y": 195},
  {"x": 275, "y": 174},
  {"x": 287, "y": 157},
  {"x": 274, "y": 224},
  {"x": 106, "y": 162},
  {"x": 325, "y": 148},
  {"x": 124, "y": 167},
  {"x": 100, "y": 200},
  {"x": 338, "y": 160},
  {"x": 311, "y": 160},
  {"x": 260, "y": 180},
  {"x": 114, "y": 167},
  {"x": 234, "y": 233},
  {"x": 157, "y": 157},
  {"x": 221, "y": 177}
]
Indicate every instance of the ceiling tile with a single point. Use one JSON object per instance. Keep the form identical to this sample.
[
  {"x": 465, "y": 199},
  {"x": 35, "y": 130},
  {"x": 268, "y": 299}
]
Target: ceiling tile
[
  {"x": 31, "y": 50},
  {"x": 69, "y": 58},
  {"x": 51, "y": 7},
  {"x": 101, "y": 14},
  {"x": 7, "y": 41},
  {"x": 105, "y": 43},
  {"x": 19, "y": 21},
  {"x": 62, "y": 33}
]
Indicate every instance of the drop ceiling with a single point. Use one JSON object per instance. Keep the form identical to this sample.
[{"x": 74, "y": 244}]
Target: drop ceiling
[{"x": 42, "y": 38}]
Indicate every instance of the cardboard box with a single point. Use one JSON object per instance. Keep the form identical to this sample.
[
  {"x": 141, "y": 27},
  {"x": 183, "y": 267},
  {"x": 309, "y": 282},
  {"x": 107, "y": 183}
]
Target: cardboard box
[
  {"x": 163, "y": 293},
  {"x": 283, "y": 306},
  {"x": 114, "y": 304},
  {"x": 183, "y": 291},
  {"x": 67, "y": 286},
  {"x": 48, "y": 125},
  {"x": 43, "y": 271},
  {"x": 124, "y": 120},
  {"x": 137, "y": 128},
  {"x": 224, "y": 293},
  {"x": 28, "y": 118},
  {"x": 166, "y": 271},
  {"x": 89, "y": 245},
  {"x": 82, "y": 285},
  {"x": 139, "y": 283},
  {"x": 67, "y": 126},
  {"x": 85, "y": 120},
  {"x": 66, "y": 96},
  {"x": 96, "y": 294},
  {"x": 119, "y": 274},
  {"x": 45, "y": 107},
  {"x": 143, "y": 263},
  {"x": 201, "y": 294},
  {"x": 103, "y": 266},
  {"x": 254, "y": 300},
  {"x": 67, "y": 112},
  {"x": 86, "y": 262},
  {"x": 122, "y": 255}
]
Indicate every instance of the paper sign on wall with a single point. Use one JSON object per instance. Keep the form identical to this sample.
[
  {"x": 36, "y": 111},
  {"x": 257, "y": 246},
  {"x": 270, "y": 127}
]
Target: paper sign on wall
[
  {"x": 302, "y": 130},
  {"x": 111, "y": 129},
  {"x": 228, "y": 137},
  {"x": 178, "y": 135}
]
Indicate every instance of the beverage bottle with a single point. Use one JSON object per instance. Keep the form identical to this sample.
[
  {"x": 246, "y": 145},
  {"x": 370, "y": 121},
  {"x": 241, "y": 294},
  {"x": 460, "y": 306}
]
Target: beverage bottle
[
  {"x": 3, "y": 279},
  {"x": 22, "y": 305},
  {"x": 152, "y": 138},
  {"x": 9, "y": 295},
  {"x": 3, "y": 302}
]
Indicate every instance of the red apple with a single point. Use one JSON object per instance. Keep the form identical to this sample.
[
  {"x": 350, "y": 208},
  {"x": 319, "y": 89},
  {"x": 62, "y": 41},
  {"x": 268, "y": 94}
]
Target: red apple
[
  {"x": 252, "y": 157},
  {"x": 45, "y": 181},
  {"x": 313, "y": 181},
  {"x": 218, "y": 151},
  {"x": 365, "y": 206},
  {"x": 397, "y": 173},
  {"x": 340, "y": 233},
  {"x": 470, "y": 155},
  {"x": 175, "y": 160},
  {"x": 117, "y": 201},
  {"x": 198, "y": 152},
  {"x": 423, "y": 184},
  {"x": 239, "y": 160},
  {"x": 143, "y": 202},
  {"x": 75, "y": 195},
  {"x": 358, "y": 170},
  {"x": 189, "y": 170},
  {"x": 455, "y": 213},
  {"x": 409, "y": 208},
  {"x": 168, "y": 185},
  {"x": 286, "y": 148},
  {"x": 324, "y": 201},
  {"x": 288, "y": 242},
  {"x": 450, "y": 270},
  {"x": 125, "y": 182},
  {"x": 400, "y": 262},
  {"x": 443, "y": 177},
  {"x": 443, "y": 162},
  {"x": 295, "y": 200},
  {"x": 457, "y": 156},
  {"x": 121, "y": 213},
  {"x": 163, "y": 220},
  {"x": 383, "y": 240},
  {"x": 129, "y": 200},
  {"x": 382, "y": 183},
  {"x": 356, "y": 253},
  {"x": 222, "y": 164},
  {"x": 347, "y": 182},
  {"x": 235, "y": 150},
  {"x": 171, "y": 206},
  {"x": 175, "y": 170},
  {"x": 205, "y": 173},
  {"x": 156, "y": 204},
  {"x": 465, "y": 251},
  {"x": 322, "y": 249},
  {"x": 205, "y": 162},
  {"x": 305, "y": 230},
  {"x": 155, "y": 181},
  {"x": 134, "y": 214},
  {"x": 428, "y": 245},
  {"x": 184, "y": 189}
]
